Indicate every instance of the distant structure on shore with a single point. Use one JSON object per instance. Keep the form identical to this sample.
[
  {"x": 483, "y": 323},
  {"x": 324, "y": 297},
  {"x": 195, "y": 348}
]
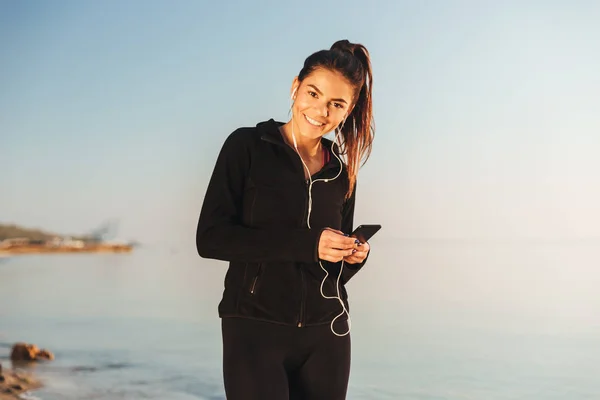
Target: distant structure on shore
[{"x": 18, "y": 240}]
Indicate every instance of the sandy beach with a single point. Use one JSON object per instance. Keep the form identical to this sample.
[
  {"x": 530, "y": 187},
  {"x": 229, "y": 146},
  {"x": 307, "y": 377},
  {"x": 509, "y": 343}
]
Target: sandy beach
[{"x": 15, "y": 383}]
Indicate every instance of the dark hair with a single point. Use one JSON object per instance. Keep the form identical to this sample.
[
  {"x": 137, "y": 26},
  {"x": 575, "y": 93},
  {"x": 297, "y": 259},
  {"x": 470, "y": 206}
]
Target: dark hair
[{"x": 358, "y": 131}]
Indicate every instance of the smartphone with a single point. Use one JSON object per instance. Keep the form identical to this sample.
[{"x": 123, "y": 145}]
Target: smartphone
[{"x": 365, "y": 232}]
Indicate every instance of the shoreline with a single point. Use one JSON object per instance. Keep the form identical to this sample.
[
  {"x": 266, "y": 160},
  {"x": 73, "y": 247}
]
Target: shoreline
[{"x": 42, "y": 249}]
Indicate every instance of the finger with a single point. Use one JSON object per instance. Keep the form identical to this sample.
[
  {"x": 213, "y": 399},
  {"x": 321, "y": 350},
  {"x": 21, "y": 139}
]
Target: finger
[
  {"x": 338, "y": 246},
  {"x": 337, "y": 255},
  {"x": 360, "y": 254},
  {"x": 341, "y": 247},
  {"x": 354, "y": 259},
  {"x": 340, "y": 253},
  {"x": 342, "y": 242}
]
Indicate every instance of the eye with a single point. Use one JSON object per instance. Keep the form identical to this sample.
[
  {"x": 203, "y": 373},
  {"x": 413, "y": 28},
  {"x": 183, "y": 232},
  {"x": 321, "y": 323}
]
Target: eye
[
  {"x": 313, "y": 94},
  {"x": 338, "y": 105}
]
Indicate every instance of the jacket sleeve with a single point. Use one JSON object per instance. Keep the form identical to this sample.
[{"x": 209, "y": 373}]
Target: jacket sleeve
[
  {"x": 347, "y": 227},
  {"x": 220, "y": 232}
]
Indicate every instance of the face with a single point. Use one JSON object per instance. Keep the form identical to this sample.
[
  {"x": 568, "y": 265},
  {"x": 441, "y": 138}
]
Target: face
[{"x": 322, "y": 101}]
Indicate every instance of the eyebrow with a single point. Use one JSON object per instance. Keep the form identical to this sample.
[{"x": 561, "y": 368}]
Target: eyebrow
[{"x": 321, "y": 93}]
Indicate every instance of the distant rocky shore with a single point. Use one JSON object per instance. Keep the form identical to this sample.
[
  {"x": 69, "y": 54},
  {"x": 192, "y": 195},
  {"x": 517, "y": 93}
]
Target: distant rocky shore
[
  {"x": 14, "y": 382},
  {"x": 16, "y": 240},
  {"x": 48, "y": 249}
]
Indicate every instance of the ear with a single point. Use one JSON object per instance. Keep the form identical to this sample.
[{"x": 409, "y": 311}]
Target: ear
[{"x": 294, "y": 88}]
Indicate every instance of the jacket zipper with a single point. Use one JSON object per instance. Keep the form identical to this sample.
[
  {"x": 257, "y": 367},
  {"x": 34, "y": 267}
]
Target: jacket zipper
[
  {"x": 302, "y": 285},
  {"x": 301, "y": 314},
  {"x": 253, "y": 288}
]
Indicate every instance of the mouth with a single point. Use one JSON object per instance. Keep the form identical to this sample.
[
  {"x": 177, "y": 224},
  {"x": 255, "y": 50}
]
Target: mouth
[{"x": 312, "y": 121}]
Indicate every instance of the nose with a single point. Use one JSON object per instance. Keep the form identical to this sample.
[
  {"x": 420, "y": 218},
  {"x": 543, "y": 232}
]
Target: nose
[{"x": 323, "y": 110}]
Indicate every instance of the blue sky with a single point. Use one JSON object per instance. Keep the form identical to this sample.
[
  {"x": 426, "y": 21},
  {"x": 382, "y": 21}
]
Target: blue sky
[{"x": 487, "y": 112}]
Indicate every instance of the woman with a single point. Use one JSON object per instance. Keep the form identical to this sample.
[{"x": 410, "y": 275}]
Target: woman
[{"x": 279, "y": 208}]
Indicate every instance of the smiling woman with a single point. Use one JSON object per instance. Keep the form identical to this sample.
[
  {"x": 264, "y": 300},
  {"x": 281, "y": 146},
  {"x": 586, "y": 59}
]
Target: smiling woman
[
  {"x": 328, "y": 90},
  {"x": 279, "y": 208}
]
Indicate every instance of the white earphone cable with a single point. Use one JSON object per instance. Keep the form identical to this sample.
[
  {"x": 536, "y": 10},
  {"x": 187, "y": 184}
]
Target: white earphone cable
[{"x": 338, "y": 297}]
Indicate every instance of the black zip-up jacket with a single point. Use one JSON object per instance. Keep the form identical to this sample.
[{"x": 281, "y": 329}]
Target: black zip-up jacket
[{"x": 254, "y": 216}]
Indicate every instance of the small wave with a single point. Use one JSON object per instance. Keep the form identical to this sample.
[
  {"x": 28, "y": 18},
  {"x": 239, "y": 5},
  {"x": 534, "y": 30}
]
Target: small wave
[
  {"x": 103, "y": 367},
  {"x": 28, "y": 396},
  {"x": 140, "y": 382}
]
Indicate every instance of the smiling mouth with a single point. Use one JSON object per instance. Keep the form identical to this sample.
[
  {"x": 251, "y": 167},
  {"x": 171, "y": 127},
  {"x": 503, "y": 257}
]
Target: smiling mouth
[{"x": 312, "y": 121}]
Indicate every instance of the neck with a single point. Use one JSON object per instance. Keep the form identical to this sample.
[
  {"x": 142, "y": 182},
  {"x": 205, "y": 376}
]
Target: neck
[{"x": 306, "y": 146}]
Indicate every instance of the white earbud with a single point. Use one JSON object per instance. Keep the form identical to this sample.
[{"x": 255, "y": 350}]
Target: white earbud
[{"x": 294, "y": 93}]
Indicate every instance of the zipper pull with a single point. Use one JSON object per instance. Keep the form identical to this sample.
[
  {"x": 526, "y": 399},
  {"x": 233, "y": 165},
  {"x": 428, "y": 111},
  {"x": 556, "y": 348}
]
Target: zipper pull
[{"x": 254, "y": 284}]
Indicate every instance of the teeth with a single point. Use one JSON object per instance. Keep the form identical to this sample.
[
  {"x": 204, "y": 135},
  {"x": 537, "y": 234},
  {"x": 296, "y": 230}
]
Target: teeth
[{"x": 312, "y": 121}]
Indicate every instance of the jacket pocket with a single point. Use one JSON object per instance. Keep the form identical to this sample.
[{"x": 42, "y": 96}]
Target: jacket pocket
[{"x": 255, "y": 281}]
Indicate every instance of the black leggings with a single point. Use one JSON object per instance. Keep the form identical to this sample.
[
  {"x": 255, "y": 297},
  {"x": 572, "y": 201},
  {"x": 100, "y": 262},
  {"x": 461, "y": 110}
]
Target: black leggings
[{"x": 265, "y": 361}]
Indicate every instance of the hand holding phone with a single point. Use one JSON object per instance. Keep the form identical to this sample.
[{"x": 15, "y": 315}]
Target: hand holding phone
[
  {"x": 362, "y": 233},
  {"x": 365, "y": 232}
]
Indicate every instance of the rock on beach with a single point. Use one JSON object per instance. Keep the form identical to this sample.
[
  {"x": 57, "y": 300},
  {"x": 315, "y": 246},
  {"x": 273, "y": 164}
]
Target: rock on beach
[{"x": 15, "y": 382}]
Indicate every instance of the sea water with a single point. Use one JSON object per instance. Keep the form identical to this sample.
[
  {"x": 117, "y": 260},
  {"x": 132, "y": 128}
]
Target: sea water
[{"x": 430, "y": 320}]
